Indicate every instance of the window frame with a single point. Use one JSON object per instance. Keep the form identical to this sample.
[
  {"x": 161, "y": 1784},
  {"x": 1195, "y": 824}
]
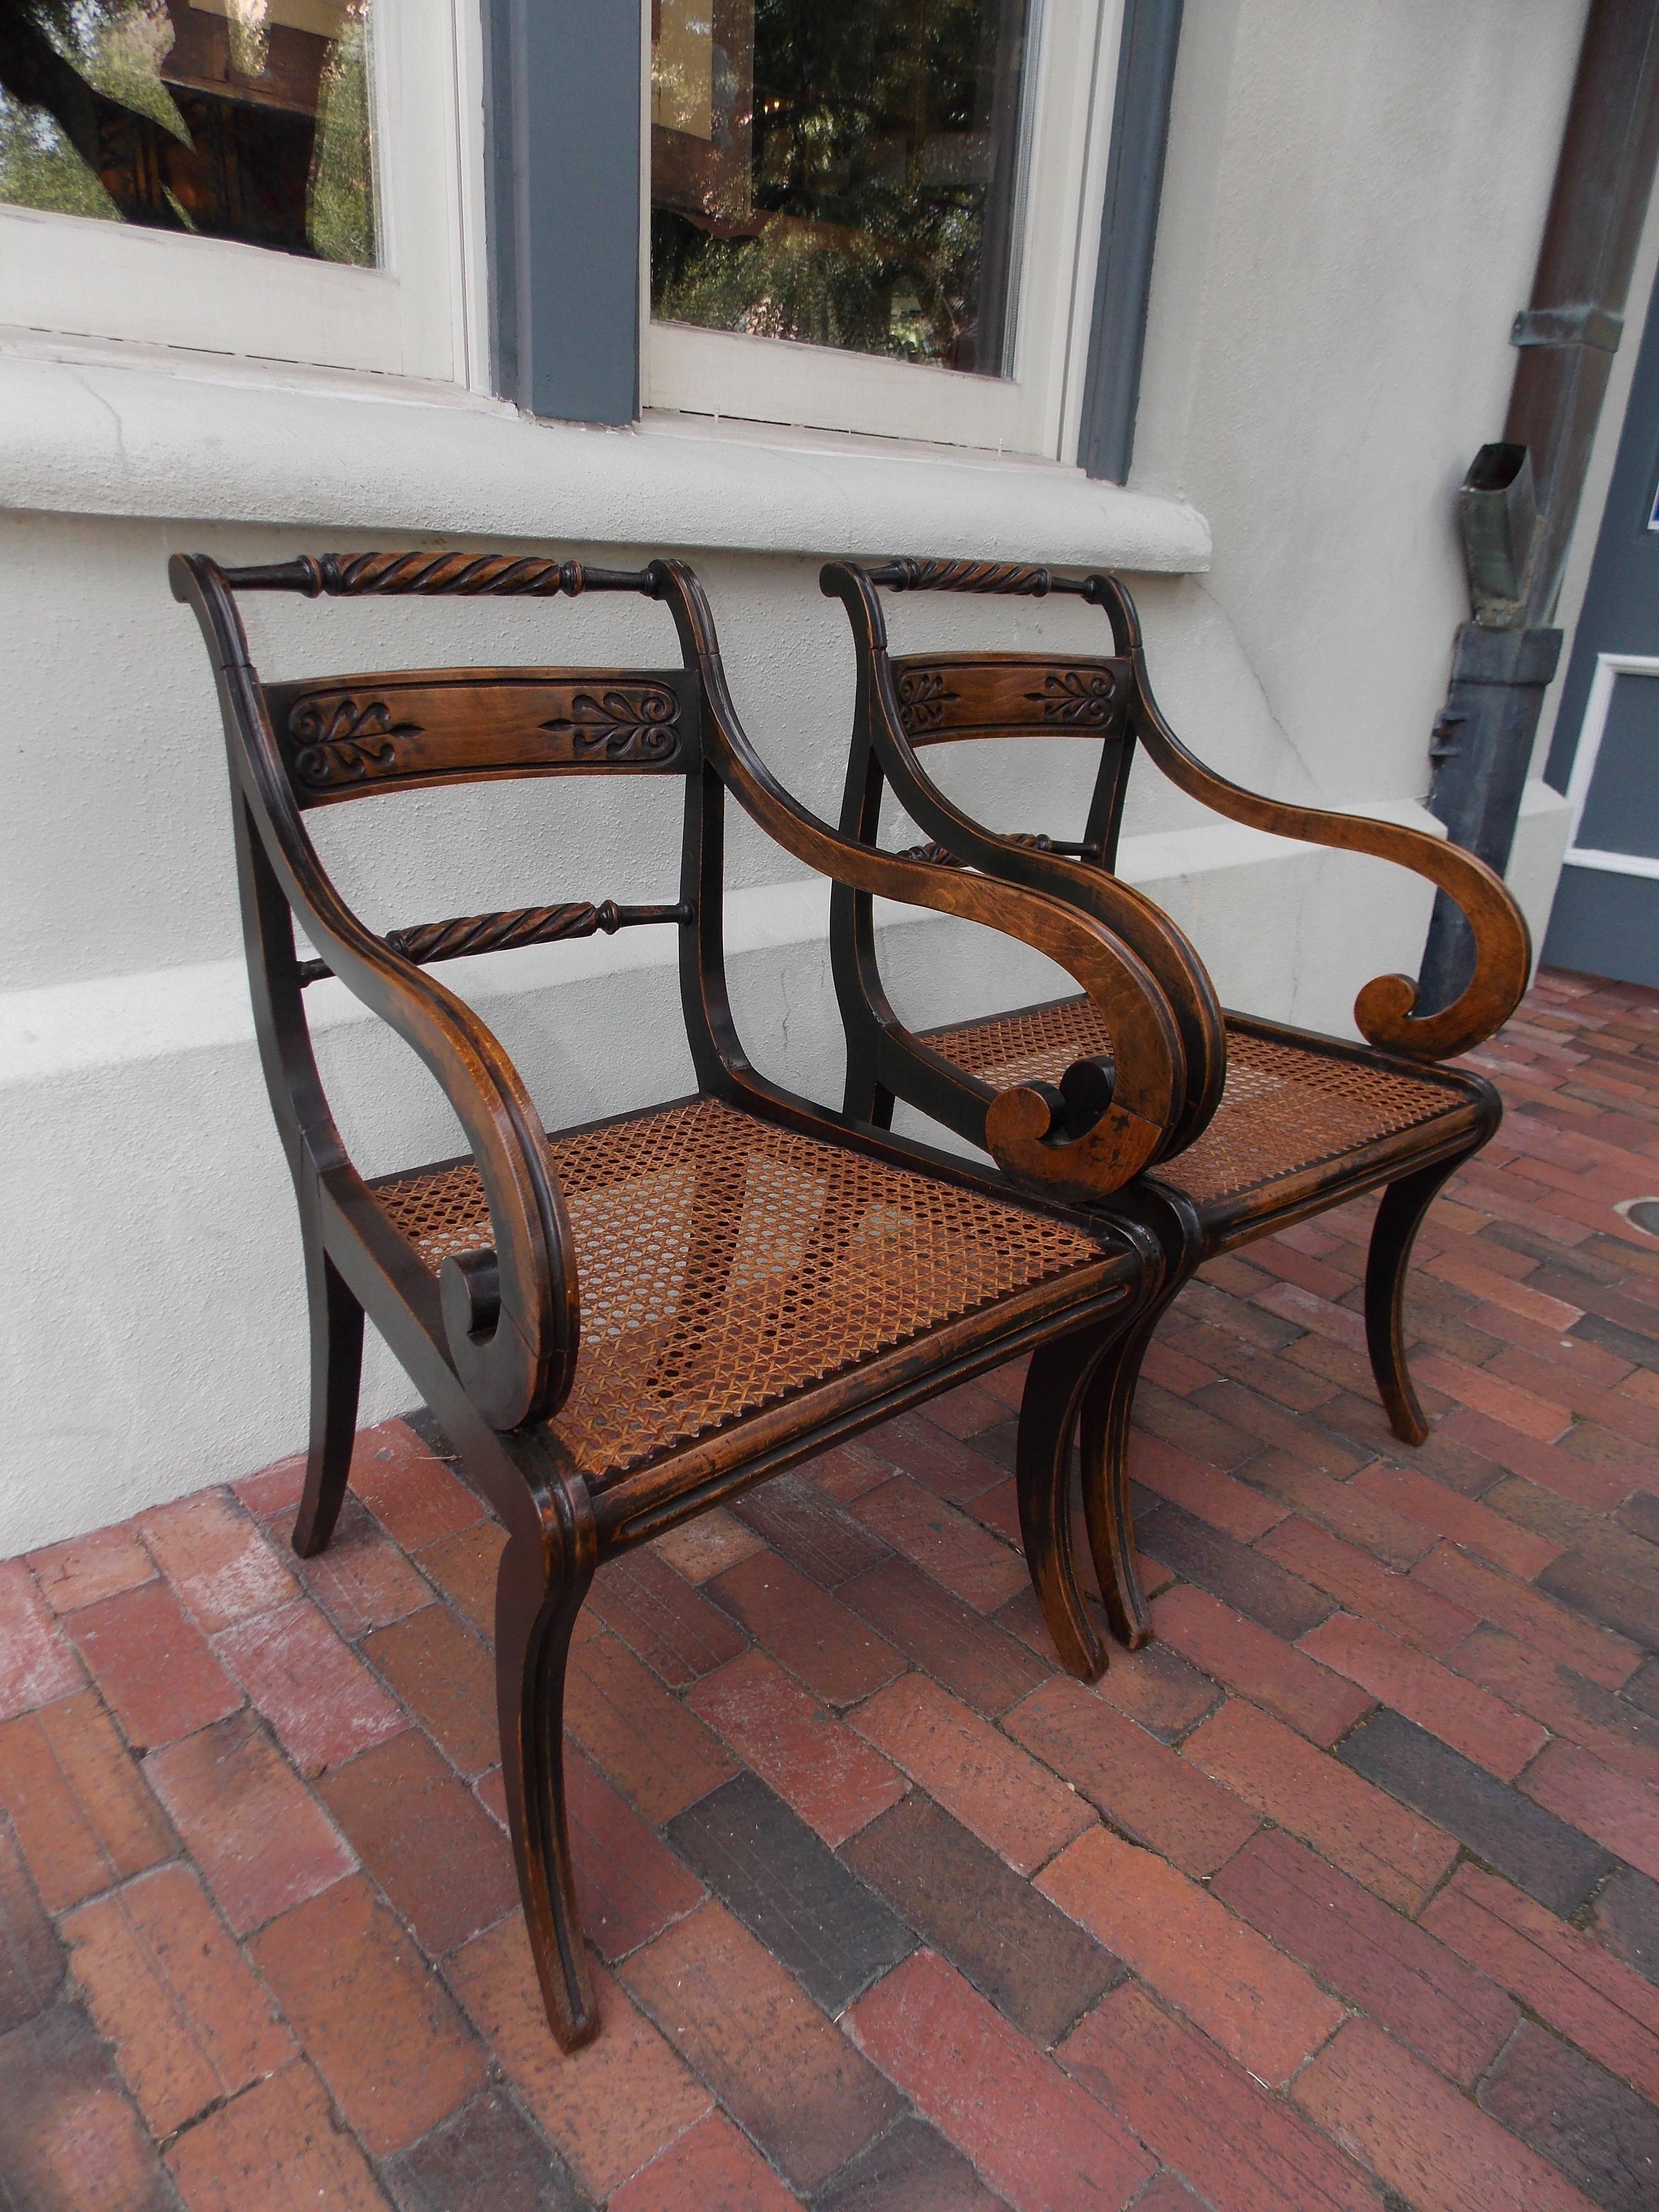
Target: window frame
[
  {"x": 1034, "y": 411},
  {"x": 411, "y": 316}
]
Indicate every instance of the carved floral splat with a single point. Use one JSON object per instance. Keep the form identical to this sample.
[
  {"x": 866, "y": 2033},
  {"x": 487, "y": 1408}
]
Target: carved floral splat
[
  {"x": 639, "y": 723},
  {"x": 342, "y": 740},
  {"x": 1074, "y": 696},
  {"x": 922, "y": 694}
]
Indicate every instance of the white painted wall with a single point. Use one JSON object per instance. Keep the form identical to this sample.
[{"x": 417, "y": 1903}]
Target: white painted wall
[
  {"x": 1354, "y": 201},
  {"x": 1354, "y": 204}
]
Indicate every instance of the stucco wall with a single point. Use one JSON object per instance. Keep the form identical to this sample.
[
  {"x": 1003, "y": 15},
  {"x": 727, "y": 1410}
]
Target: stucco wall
[
  {"x": 1353, "y": 208},
  {"x": 1352, "y": 204}
]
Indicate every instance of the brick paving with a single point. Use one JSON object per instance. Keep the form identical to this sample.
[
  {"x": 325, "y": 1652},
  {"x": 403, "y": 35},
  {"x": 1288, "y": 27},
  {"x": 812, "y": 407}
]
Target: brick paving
[{"x": 1343, "y": 1893}]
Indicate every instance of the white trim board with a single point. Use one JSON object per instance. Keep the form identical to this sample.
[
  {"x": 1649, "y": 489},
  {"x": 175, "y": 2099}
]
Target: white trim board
[
  {"x": 1609, "y": 667},
  {"x": 116, "y": 1020}
]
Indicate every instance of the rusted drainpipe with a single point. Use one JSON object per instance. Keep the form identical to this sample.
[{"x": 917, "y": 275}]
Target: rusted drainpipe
[{"x": 1505, "y": 656}]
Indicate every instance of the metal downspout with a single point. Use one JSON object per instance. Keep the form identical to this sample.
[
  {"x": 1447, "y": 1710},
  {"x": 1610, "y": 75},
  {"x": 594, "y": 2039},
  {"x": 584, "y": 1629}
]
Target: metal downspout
[{"x": 1504, "y": 659}]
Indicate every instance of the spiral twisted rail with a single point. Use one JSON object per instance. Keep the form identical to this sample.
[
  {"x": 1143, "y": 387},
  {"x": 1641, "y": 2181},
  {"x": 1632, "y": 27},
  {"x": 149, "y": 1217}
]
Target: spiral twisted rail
[
  {"x": 504, "y": 933},
  {"x": 1006, "y": 577},
  {"x": 402, "y": 575}
]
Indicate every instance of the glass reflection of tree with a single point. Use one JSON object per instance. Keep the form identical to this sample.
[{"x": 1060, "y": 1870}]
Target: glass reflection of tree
[
  {"x": 875, "y": 210},
  {"x": 246, "y": 120}
]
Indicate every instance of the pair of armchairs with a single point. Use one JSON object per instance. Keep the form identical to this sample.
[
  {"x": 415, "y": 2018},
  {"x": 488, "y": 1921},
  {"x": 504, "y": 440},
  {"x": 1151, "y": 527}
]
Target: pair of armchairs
[{"x": 621, "y": 1325}]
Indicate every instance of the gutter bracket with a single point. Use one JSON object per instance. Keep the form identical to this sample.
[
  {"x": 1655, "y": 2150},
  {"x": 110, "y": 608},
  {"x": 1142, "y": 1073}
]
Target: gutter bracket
[{"x": 1585, "y": 326}]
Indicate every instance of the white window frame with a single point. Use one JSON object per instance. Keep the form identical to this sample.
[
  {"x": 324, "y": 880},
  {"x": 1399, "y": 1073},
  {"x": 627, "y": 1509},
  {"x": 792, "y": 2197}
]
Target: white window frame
[
  {"x": 415, "y": 315},
  {"x": 1035, "y": 410}
]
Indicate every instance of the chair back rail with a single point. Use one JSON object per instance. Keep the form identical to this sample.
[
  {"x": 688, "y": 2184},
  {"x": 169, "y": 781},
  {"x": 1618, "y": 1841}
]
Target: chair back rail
[
  {"x": 464, "y": 935},
  {"x": 1007, "y": 579},
  {"x": 346, "y": 736},
  {"x": 458, "y": 575}
]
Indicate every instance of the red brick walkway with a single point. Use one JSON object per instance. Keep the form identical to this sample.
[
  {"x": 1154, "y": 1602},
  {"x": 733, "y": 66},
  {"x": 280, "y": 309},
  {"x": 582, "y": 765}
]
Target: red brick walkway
[{"x": 1343, "y": 1895}]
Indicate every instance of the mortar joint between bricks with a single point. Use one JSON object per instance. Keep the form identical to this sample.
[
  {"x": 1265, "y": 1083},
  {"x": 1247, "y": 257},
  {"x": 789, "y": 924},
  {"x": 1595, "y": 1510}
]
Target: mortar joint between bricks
[
  {"x": 165, "y": 2143},
  {"x": 1583, "y": 1917},
  {"x": 1364, "y": 1720}
]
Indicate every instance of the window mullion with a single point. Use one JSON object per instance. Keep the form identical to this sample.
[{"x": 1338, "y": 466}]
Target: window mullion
[{"x": 563, "y": 122}]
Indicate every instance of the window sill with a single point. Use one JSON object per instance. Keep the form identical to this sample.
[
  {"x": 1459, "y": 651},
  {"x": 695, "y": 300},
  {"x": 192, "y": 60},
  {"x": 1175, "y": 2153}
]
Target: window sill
[{"x": 129, "y": 431}]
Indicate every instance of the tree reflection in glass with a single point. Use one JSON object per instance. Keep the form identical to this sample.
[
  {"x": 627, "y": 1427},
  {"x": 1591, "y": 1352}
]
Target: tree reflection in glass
[
  {"x": 246, "y": 120},
  {"x": 841, "y": 172}
]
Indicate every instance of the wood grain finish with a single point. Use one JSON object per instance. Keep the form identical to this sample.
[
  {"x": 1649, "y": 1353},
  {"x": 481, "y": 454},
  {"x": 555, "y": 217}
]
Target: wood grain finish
[
  {"x": 463, "y": 935},
  {"x": 1008, "y": 578},
  {"x": 428, "y": 575},
  {"x": 1385, "y": 1010},
  {"x": 944, "y": 697},
  {"x": 349, "y": 737},
  {"x": 488, "y": 1321}
]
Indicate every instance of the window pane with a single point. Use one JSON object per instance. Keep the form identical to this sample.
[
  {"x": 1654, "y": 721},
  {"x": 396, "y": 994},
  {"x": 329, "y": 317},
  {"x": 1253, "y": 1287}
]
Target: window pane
[
  {"x": 235, "y": 119},
  {"x": 843, "y": 172}
]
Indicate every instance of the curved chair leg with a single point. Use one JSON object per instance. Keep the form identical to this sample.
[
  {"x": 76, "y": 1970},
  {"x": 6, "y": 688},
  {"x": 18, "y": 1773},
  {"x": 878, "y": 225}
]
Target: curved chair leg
[
  {"x": 1054, "y": 1386},
  {"x": 1103, "y": 1442},
  {"x": 336, "y": 1360},
  {"x": 1398, "y": 1220},
  {"x": 538, "y": 1593}
]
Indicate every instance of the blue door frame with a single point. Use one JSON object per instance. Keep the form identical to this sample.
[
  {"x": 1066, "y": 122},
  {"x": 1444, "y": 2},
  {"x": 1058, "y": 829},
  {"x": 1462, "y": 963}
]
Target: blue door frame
[{"x": 1605, "y": 756}]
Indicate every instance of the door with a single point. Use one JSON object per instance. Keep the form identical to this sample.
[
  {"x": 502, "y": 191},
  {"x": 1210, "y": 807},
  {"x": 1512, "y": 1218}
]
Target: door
[{"x": 1606, "y": 752}]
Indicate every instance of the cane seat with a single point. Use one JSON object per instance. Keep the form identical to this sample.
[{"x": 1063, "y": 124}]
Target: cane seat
[
  {"x": 1286, "y": 1107},
  {"x": 727, "y": 1262}
]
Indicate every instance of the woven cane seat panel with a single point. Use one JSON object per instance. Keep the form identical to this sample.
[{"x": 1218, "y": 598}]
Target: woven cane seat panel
[
  {"x": 1284, "y": 1108},
  {"x": 1037, "y": 1047},
  {"x": 725, "y": 1263}
]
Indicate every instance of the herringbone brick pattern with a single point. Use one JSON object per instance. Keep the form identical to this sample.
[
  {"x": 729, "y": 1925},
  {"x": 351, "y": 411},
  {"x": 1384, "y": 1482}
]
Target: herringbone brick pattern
[{"x": 1343, "y": 1893}]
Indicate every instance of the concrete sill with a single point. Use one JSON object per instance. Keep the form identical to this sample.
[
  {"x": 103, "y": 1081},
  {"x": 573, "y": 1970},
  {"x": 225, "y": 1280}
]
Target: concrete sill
[{"x": 89, "y": 429}]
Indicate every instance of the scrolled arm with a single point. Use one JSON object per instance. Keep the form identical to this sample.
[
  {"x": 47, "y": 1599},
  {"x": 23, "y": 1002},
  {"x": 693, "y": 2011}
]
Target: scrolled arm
[
  {"x": 1104, "y": 1122},
  {"x": 511, "y": 1312},
  {"x": 511, "y": 1315},
  {"x": 1133, "y": 919},
  {"x": 1385, "y": 1010}
]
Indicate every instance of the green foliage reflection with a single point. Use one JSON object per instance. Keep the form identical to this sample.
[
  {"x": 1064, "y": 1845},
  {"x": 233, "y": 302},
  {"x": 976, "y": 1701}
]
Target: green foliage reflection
[
  {"x": 244, "y": 119},
  {"x": 848, "y": 176}
]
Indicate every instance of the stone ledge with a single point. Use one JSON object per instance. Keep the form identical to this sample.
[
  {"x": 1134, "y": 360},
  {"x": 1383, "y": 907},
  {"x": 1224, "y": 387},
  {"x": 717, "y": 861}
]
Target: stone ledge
[{"x": 132, "y": 431}]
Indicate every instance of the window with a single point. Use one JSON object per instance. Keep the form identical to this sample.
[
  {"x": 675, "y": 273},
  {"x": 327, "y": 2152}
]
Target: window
[
  {"x": 844, "y": 176},
  {"x": 871, "y": 216},
  {"x": 228, "y": 118},
  {"x": 267, "y": 176},
  {"x": 868, "y": 215}
]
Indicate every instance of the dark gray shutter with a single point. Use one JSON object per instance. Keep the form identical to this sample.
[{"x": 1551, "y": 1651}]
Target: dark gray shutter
[
  {"x": 1128, "y": 231},
  {"x": 563, "y": 107}
]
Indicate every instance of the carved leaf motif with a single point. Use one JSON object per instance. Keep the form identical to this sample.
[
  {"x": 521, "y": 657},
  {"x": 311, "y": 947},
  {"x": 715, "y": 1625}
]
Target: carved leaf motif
[
  {"x": 1074, "y": 696},
  {"x": 341, "y": 740},
  {"x": 932, "y": 855},
  {"x": 922, "y": 693},
  {"x": 639, "y": 724}
]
